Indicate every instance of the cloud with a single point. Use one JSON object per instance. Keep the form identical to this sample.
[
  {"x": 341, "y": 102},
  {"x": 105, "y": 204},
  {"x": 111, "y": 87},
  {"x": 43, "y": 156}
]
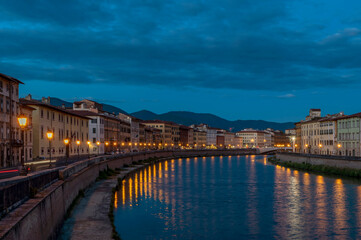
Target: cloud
[
  {"x": 288, "y": 95},
  {"x": 209, "y": 44}
]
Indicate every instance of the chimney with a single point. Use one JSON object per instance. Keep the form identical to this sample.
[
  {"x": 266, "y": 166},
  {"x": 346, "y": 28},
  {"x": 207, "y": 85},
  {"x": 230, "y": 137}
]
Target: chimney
[
  {"x": 28, "y": 97},
  {"x": 63, "y": 106}
]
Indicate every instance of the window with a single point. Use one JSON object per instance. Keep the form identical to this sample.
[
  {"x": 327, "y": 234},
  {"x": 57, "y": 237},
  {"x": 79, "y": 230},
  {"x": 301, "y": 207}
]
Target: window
[
  {"x": 94, "y": 121},
  {"x": 94, "y": 130},
  {"x": 41, "y": 132}
]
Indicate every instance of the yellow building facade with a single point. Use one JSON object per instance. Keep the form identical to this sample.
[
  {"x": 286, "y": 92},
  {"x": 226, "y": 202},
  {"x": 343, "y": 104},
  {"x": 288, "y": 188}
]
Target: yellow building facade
[{"x": 63, "y": 124}]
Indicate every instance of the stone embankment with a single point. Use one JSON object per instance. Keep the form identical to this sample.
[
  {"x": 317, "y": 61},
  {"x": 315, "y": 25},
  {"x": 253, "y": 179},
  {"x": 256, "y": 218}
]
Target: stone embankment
[
  {"x": 44, "y": 198},
  {"x": 335, "y": 165}
]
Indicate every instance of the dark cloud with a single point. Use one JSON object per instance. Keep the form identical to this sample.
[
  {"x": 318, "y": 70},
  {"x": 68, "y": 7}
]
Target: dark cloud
[{"x": 212, "y": 44}]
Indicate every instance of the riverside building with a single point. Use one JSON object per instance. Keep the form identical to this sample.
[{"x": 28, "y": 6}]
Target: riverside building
[
  {"x": 62, "y": 124},
  {"x": 348, "y": 131},
  {"x": 252, "y": 138},
  {"x": 316, "y": 134},
  {"x": 10, "y": 138}
]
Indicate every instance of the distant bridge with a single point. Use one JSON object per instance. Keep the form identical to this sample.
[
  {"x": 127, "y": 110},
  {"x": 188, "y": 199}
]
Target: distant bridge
[{"x": 274, "y": 150}]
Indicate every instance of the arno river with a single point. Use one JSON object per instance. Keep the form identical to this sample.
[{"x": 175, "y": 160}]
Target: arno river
[{"x": 242, "y": 197}]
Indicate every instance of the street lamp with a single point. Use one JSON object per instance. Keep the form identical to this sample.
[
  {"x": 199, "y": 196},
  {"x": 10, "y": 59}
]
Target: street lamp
[
  {"x": 78, "y": 143},
  {"x": 98, "y": 144},
  {"x": 23, "y": 121},
  {"x": 106, "y": 145},
  {"x": 339, "y": 146},
  {"x": 66, "y": 142},
  {"x": 88, "y": 142},
  {"x": 49, "y": 135}
]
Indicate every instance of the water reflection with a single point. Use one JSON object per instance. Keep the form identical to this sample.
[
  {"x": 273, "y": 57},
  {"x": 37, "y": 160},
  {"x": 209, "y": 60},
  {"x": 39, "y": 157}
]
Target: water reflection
[{"x": 233, "y": 198}]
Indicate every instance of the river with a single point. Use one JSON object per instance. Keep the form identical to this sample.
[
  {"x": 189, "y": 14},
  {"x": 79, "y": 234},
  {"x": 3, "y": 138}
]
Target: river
[{"x": 238, "y": 197}]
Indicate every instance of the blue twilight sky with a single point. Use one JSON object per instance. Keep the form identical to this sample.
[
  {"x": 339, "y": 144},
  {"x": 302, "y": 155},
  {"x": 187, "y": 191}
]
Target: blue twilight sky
[{"x": 241, "y": 59}]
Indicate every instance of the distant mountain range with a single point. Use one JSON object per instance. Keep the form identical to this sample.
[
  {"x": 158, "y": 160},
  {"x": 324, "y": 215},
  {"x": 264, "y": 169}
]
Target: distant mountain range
[{"x": 189, "y": 118}]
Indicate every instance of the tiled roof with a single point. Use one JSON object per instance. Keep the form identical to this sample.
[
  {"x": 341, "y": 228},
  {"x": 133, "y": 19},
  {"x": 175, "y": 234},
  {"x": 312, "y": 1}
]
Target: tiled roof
[
  {"x": 39, "y": 103},
  {"x": 10, "y": 78}
]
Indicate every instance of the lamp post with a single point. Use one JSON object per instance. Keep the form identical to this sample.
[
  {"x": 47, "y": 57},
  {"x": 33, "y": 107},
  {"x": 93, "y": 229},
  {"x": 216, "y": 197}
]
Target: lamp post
[
  {"x": 115, "y": 147},
  {"x": 106, "y": 146},
  {"x": 66, "y": 142},
  {"x": 23, "y": 121},
  {"x": 339, "y": 146},
  {"x": 49, "y": 135},
  {"x": 98, "y": 144},
  {"x": 78, "y": 143},
  {"x": 88, "y": 142}
]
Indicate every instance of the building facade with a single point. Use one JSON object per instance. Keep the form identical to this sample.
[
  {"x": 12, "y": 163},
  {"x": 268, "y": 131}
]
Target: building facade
[
  {"x": 348, "y": 131},
  {"x": 252, "y": 138},
  {"x": 10, "y": 137},
  {"x": 63, "y": 124}
]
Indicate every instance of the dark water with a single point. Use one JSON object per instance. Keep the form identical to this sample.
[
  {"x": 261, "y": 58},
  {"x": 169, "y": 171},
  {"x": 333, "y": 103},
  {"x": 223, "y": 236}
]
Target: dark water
[{"x": 235, "y": 198}]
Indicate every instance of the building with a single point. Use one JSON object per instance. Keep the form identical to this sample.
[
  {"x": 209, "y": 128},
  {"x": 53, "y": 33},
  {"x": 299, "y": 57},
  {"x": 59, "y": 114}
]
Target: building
[
  {"x": 328, "y": 135},
  {"x": 186, "y": 136},
  {"x": 281, "y": 139},
  {"x": 220, "y": 138},
  {"x": 211, "y": 133},
  {"x": 238, "y": 142},
  {"x": 10, "y": 143},
  {"x": 229, "y": 139},
  {"x": 200, "y": 139},
  {"x": 298, "y": 142},
  {"x": 348, "y": 139},
  {"x": 175, "y": 135},
  {"x": 63, "y": 124},
  {"x": 252, "y": 138},
  {"x": 166, "y": 131},
  {"x": 317, "y": 134},
  {"x": 96, "y": 130}
]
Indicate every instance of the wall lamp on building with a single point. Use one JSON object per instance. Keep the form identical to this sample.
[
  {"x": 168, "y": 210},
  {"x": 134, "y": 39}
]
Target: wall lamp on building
[
  {"x": 23, "y": 122},
  {"x": 339, "y": 145}
]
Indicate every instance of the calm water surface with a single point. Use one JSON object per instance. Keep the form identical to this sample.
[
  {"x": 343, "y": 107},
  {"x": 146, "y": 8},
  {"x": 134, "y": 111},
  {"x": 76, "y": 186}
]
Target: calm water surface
[{"x": 241, "y": 197}]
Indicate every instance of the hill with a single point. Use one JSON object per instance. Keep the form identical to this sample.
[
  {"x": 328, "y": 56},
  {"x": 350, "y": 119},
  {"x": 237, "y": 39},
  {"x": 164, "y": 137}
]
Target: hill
[{"x": 188, "y": 118}]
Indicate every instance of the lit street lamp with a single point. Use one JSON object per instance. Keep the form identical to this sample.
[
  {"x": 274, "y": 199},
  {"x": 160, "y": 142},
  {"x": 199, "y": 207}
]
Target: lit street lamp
[
  {"x": 78, "y": 143},
  {"x": 88, "y": 142},
  {"x": 23, "y": 121},
  {"x": 293, "y": 143},
  {"x": 98, "y": 144},
  {"x": 66, "y": 142},
  {"x": 49, "y": 135},
  {"x": 106, "y": 146}
]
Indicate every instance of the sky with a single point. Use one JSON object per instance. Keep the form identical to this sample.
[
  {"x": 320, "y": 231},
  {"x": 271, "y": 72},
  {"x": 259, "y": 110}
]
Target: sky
[{"x": 241, "y": 59}]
